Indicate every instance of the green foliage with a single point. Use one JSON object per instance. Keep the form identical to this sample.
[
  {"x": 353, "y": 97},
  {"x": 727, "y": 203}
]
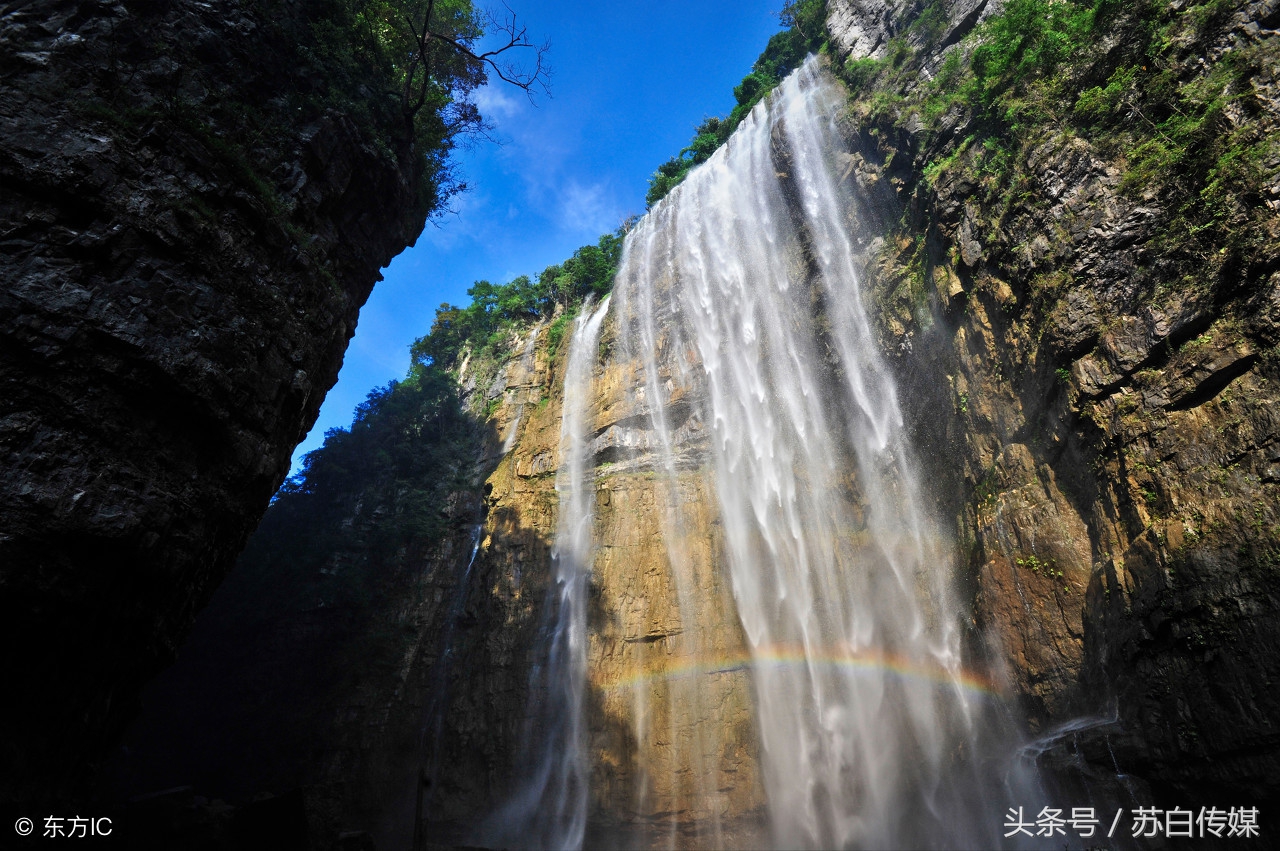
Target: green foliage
[
  {"x": 374, "y": 72},
  {"x": 1101, "y": 103},
  {"x": 859, "y": 73},
  {"x": 555, "y": 333},
  {"x": 804, "y": 33},
  {"x": 1188, "y": 140},
  {"x": 1036, "y": 564},
  {"x": 1008, "y": 77},
  {"x": 898, "y": 52},
  {"x": 1131, "y": 79},
  {"x": 934, "y": 169},
  {"x": 880, "y": 80},
  {"x": 1028, "y": 40},
  {"x": 402, "y": 452},
  {"x": 496, "y": 308}
]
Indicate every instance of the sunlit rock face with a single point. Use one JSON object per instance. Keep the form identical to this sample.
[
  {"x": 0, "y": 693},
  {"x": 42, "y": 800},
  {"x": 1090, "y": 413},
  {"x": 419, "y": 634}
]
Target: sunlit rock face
[
  {"x": 1100, "y": 411},
  {"x": 863, "y": 28},
  {"x": 662, "y": 759}
]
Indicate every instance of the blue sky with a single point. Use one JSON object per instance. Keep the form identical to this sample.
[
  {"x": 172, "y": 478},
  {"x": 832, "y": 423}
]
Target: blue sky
[{"x": 630, "y": 81}]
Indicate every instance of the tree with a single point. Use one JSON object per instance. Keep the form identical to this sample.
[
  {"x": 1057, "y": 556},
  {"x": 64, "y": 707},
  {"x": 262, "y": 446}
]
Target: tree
[
  {"x": 444, "y": 36},
  {"x": 408, "y": 68}
]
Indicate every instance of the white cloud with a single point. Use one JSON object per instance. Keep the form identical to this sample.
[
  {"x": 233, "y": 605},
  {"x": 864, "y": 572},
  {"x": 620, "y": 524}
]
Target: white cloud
[
  {"x": 590, "y": 210},
  {"x": 495, "y": 103}
]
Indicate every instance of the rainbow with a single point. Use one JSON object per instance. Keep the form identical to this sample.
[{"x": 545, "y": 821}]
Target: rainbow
[{"x": 834, "y": 658}]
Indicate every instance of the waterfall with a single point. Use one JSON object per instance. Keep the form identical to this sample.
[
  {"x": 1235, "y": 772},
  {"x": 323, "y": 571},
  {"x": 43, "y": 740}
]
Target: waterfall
[
  {"x": 755, "y": 416},
  {"x": 742, "y": 289},
  {"x": 526, "y": 368},
  {"x": 549, "y": 810}
]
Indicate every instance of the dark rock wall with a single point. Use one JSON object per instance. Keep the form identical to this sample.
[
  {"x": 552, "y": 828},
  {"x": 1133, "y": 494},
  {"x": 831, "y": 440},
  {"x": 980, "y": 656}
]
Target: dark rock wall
[
  {"x": 349, "y": 650},
  {"x": 183, "y": 252}
]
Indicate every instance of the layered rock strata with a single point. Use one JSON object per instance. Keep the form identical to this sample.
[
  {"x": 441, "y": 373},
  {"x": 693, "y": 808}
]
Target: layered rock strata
[
  {"x": 641, "y": 642},
  {"x": 1101, "y": 407}
]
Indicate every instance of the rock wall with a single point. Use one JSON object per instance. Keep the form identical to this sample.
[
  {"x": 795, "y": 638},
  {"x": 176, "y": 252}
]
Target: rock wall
[
  {"x": 1101, "y": 407},
  {"x": 185, "y": 253},
  {"x": 666, "y": 759}
]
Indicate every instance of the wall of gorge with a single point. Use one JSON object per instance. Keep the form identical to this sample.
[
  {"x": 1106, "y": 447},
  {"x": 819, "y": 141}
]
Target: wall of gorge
[
  {"x": 1098, "y": 386},
  {"x": 667, "y": 755},
  {"x": 185, "y": 252}
]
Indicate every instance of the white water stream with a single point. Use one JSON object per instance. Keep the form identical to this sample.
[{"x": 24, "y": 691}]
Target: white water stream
[
  {"x": 549, "y": 809},
  {"x": 871, "y": 732}
]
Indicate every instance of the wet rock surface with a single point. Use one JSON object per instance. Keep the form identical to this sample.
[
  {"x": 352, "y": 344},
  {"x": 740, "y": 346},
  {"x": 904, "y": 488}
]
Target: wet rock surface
[
  {"x": 175, "y": 306},
  {"x": 641, "y": 636},
  {"x": 1101, "y": 408}
]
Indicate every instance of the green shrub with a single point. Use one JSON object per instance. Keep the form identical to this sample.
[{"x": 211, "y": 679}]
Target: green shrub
[
  {"x": 555, "y": 333},
  {"x": 860, "y": 73}
]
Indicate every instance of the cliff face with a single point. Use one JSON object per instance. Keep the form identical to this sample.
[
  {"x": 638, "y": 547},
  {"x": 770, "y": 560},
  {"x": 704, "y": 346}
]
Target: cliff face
[
  {"x": 1098, "y": 383},
  {"x": 647, "y": 618},
  {"x": 186, "y": 248}
]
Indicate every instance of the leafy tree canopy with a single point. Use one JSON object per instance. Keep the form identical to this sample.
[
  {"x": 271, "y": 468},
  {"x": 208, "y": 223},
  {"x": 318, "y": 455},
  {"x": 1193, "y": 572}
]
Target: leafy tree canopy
[
  {"x": 411, "y": 66},
  {"x": 495, "y": 308}
]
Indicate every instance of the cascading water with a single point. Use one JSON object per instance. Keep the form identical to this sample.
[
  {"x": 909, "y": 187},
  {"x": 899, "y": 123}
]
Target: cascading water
[
  {"x": 526, "y": 366},
  {"x": 776, "y": 452},
  {"x": 871, "y": 732},
  {"x": 549, "y": 809}
]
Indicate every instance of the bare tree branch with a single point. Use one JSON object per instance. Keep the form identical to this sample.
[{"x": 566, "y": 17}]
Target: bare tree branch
[{"x": 526, "y": 76}]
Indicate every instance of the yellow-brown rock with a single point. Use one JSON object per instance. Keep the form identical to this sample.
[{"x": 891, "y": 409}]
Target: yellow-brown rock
[{"x": 672, "y": 744}]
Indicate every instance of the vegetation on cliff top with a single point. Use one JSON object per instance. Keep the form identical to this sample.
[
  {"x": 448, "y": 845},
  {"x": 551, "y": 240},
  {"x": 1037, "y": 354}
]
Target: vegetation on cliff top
[
  {"x": 484, "y": 327},
  {"x": 416, "y": 63},
  {"x": 1130, "y": 80},
  {"x": 496, "y": 309},
  {"x": 374, "y": 71}
]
